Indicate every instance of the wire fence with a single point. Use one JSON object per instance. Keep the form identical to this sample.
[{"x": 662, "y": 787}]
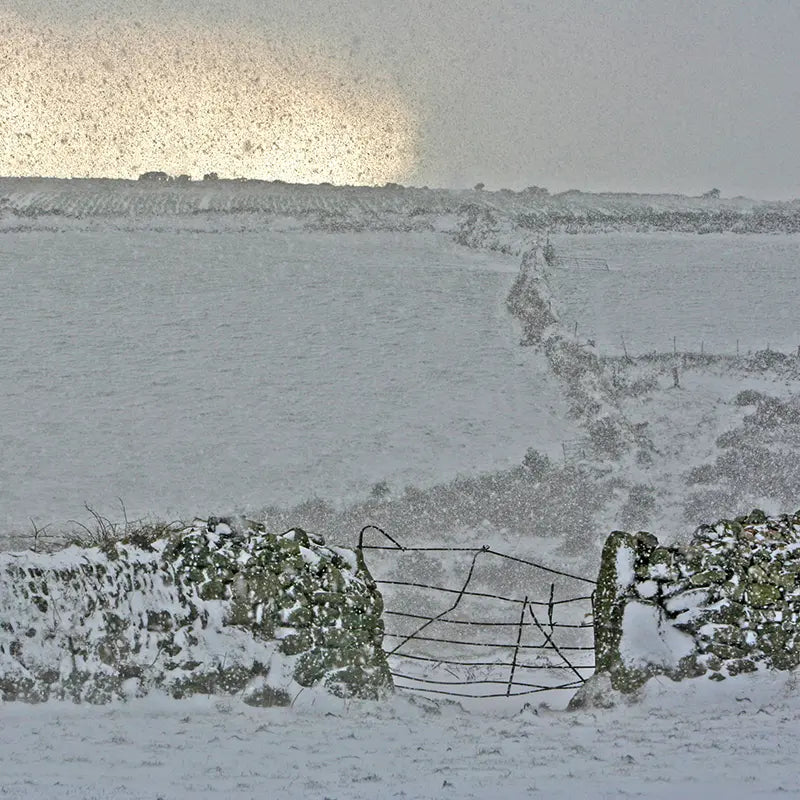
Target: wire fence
[
  {"x": 467, "y": 640},
  {"x": 614, "y": 345}
]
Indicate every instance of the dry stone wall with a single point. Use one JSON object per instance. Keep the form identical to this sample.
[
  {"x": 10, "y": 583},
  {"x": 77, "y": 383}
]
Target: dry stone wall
[
  {"x": 591, "y": 395},
  {"x": 214, "y": 608},
  {"x": 727, "y": 603}
]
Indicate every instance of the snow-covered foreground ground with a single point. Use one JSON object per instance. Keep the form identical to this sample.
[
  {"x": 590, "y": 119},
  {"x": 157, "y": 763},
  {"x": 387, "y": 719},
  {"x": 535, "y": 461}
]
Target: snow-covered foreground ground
[
  {"x": 704, "y": 291},
  {"x": 697, "y": 739},
  {"x": 189, "y": 373}
]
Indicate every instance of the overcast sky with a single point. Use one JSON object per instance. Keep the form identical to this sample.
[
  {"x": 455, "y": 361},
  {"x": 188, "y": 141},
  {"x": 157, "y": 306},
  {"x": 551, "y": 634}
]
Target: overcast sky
[{"x": 679, "y": 95}]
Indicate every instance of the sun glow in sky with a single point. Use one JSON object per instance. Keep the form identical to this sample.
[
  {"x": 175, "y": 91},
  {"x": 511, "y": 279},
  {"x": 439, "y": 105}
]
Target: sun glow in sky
[
  {"x": 622, "y": 95},
  {"x": 116, "y": 101}
]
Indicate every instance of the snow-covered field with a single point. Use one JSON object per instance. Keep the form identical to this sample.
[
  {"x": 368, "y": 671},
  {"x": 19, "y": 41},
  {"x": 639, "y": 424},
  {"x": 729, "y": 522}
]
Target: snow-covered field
[
  {"x": 188, "y": 373},
  {"x": 255, "y": 361},
  {"x": 702, "y": 291},
  {"x": 699, "y": 739}
]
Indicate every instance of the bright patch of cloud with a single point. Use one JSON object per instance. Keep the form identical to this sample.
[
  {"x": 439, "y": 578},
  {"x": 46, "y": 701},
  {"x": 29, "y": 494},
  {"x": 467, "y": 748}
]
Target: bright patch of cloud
[{"x": 108, "y": 101}]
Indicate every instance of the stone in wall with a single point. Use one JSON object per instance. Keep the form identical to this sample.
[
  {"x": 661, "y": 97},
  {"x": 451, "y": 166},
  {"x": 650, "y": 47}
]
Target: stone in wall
[{"x": 213, "y": 608}]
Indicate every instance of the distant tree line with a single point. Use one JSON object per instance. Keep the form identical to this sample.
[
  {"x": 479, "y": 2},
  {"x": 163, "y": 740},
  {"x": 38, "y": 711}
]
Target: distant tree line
[{"x": 157, "y": 176}]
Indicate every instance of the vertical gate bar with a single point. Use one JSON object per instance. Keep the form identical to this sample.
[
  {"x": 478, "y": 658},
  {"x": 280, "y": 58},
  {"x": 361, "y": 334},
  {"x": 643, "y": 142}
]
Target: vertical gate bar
[
  {"x": 516, "y": 648},
  {"x": 550, "y": 606}
]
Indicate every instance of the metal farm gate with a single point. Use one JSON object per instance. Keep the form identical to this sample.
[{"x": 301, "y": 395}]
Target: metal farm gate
[{"x": 457, "y": 625}]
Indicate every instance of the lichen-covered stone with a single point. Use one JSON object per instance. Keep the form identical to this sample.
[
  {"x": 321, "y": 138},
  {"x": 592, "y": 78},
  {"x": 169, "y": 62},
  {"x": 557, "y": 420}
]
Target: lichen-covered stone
[
  {"x": 216, "y": 607},
  {"x": 734, "y": 589},
  {"x": 763, "y": 594}
]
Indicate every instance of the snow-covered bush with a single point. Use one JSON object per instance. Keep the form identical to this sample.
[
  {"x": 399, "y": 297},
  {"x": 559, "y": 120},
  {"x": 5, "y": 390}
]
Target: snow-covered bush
[
  {"x": 479, "y": 228},
  {"x": 749, "y": 397},
  {"x": 726, "y": 603},
  {"x": 709, "y": 503},
  {"x": 537, "y": 464},
  {"x": 607, "y": 437},
  {"x": 211, "y": 608}
]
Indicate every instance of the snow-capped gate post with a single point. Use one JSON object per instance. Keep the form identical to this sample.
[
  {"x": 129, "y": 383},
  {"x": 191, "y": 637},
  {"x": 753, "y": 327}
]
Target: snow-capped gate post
[{"x": 633, "y": 641}]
